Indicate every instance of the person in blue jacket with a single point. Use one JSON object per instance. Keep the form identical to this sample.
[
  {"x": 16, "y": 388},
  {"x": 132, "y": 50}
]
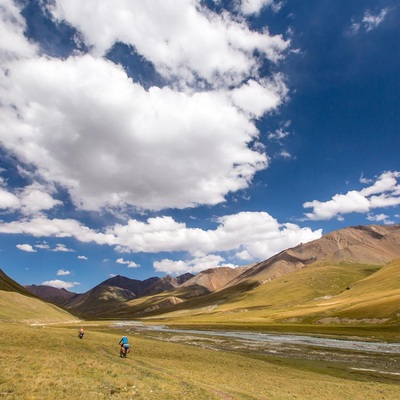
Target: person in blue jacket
[{"x": 124, "y": 346}]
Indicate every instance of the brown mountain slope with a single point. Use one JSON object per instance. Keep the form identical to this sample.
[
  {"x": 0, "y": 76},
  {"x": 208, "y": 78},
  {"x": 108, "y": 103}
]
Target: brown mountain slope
[
  {"x": 52, "y": 294},
  {"x": 373, "y": 244},
  {"x": 214, "y": 278},
  {"x": 166, "y": 283},
  {"x": 113, "y": 292}
]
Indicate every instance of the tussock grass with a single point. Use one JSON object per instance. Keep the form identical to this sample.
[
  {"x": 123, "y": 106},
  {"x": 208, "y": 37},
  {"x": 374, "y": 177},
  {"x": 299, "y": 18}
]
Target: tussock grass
[{"x": 52, "y": 363}]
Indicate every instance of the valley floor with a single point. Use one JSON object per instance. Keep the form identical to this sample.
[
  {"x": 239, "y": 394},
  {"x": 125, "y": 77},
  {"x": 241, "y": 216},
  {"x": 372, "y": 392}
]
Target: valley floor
[{"x": 47, "y": 362}]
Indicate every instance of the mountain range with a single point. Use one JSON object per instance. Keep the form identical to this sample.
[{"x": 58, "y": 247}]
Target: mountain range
[{"x": 326, "y": 278}]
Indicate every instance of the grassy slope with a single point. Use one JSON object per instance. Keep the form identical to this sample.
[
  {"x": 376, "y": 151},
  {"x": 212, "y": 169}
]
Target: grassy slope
[
  {"x": 9, "y": 285},
  {"x": 15, "y": 307},
  {"x": 377, "y": 296},
  {"x": 18, "y": 304},
  {"x": 54, "y": 363},
  {"x": 305, "y": 297}
]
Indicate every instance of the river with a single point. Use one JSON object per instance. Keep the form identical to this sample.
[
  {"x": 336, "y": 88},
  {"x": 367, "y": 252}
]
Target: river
[{"x": 269, "y": 338}]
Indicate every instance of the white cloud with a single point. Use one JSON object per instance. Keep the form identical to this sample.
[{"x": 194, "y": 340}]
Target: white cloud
[
  {"x": 244, "y": 255},
  {"x": 285, "y": 154},
  {"x": 369, "y": 21},
  {"x": 174, "y": 35},
  {"x": 387, "y": 182},
  {"x": 60, "y": 284},
  {"x": 193, "y": 266},
  {"x": 44, "y": 227},
  {"x": 30, "y": 200},
  {"x": 129, "y": 264},
  {"x": 365, "y": 180},
  {"x": 255, "y": 6},
  {"x": 278, "y": 135},
  {"x": 63, "y": 272},
  {"x": 8, "y": 200},
  {"x": 142, "y": 139},
  {"x": 257, "y": 98},
  {"x": 42, "y": 246},
  {"x": 340, "y": 204},
  {"x": 26, "y": 247},
  {"x": 34, "y": 198},
  {"x": 255, "y": 232},
  {"x": 13, "y": 43},
  {"x": 62, "y": 248},
  {"x": 380, "y": 218},
  {"x": 85, "y": 125},
  {"x": 372, "y": 21},
  {"x": 386, "y": 186},
  {"x": 82, "y": 258}
]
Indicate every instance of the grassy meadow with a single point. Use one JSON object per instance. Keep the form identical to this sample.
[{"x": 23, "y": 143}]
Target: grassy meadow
[{"x": 51, "y": 362}]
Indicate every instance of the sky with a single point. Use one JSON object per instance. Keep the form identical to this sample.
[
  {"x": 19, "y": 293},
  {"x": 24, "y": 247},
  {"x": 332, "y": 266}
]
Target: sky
[{"x": 152, "y": 138}]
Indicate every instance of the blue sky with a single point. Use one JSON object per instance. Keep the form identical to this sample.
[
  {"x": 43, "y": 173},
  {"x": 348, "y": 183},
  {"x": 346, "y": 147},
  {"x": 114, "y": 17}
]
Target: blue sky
[{"x": 146, "y": 138}]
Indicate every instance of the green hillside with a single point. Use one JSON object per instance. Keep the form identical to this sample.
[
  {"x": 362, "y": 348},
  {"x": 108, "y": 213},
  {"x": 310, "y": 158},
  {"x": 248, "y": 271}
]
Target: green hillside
[
  {"x": 319, "y": 295},
  {"x": 9, "y": 285},
  {"x": 19, "y": 305}
]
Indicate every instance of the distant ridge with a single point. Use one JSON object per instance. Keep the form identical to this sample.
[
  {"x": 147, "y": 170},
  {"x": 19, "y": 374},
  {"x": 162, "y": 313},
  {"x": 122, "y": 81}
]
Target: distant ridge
[
  {"x": 119, "y": 289},
  {"x": 52, "y": 294},
  {"x": 373, "y": 244}
]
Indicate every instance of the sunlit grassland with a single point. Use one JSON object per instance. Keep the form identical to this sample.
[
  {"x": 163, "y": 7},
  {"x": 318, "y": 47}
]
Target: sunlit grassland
[
  {"x": 352, "y": 298},
  {"x": 18, "y": 307},
  {"x": 53, "y": 363}
]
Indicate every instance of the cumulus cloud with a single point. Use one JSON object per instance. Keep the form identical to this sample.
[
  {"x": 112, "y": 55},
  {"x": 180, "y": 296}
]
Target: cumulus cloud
[
  {"x": 63, "y": 272},
  {"x": 32, "y": 199},
  {"x": 44, "y": 227},
  {"x": 193, "y": 266},
  {"x": 35, "y": 198},
  {"x": 84, "y": 124},
  {"x": 62, "y": 248},
  {"x": 142, "y": 138},
  {"x": 257, "y": 233},
  {"x": 384, "y": 192},
  {"x": 129, "y": 264},
  {"x": 380, "y": 218},
  {"x": 60, "y": 284},
  {"x": 8, "y": 201},
  {"x": 26, "y": 247},
  {"x": 82, "y": 258},
  {"x": 174, "y": 35}
]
